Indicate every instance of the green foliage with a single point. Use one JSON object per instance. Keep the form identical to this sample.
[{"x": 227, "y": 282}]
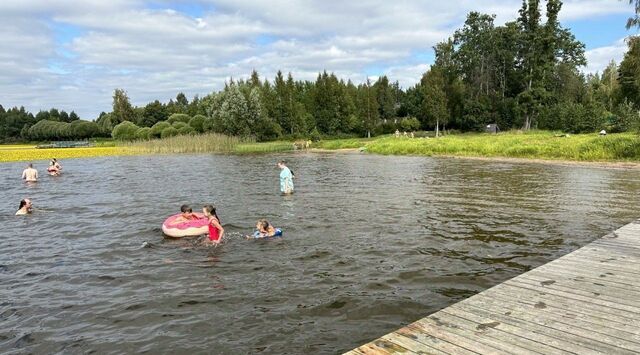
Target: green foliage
[
  {"x": 169, "y": 132},
  {"x": 156, "y": 130},
  {"x": 179, "y": 117},
  {"x": 143, "y": 133},
  {"x": 186, "y": 130},
  {"x": 122, "y": 109},
  {"x": 125, "y": 131},
  {"x": 197, "y": 123},
  {"x": 410, "y": 124}
]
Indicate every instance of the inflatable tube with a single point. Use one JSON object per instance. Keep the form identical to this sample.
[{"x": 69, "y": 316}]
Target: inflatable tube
[
  {"x": 278, "y": 233},
  {"x": 191, "y": 228}
]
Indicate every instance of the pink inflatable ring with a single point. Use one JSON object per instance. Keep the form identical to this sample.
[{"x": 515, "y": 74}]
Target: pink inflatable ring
[{"x": 190, "y": 228}]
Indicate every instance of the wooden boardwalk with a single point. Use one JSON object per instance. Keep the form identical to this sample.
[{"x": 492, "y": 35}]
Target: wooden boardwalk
[{"x": 587, "y": 302}]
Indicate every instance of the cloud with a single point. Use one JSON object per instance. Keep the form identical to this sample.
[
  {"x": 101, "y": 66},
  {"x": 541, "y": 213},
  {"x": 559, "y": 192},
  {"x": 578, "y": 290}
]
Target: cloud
[
  {"x": 599, "y": 58},
  {"x": 72, "y": 54}
]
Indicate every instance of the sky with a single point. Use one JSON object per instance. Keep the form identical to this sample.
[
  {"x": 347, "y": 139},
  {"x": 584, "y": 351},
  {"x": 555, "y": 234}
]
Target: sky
[{"x": 72, "y": 54}]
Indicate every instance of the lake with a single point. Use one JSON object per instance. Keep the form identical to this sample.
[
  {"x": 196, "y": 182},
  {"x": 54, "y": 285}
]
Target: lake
[{"x": 371, "y": 243}]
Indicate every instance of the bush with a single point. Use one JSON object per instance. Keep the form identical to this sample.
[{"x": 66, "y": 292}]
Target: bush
[
  {"x": 143, "y": 133},
  {"x": 179, "y": 125},
  {"x": 156, "y": 129},
  {"x": 125, "y": 131},
  {"x": 410, "y": 124},
  {"x": 197, "y": 123},
  {"x": 315, "y": 135},
  {"x": 169, "y": 132},
  {"x": 179, "y": 117},
  {"x": 186, "y": 130}
]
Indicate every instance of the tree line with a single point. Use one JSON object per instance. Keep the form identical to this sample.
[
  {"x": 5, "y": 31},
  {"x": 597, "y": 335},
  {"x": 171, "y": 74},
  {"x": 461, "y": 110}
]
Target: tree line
[{"x": 524, "y": 74}]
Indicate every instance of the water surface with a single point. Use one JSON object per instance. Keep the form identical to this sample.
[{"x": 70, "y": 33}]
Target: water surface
[{"x": 371, "y": 243}]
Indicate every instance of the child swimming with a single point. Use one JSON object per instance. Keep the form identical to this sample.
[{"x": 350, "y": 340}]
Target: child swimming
[
  {"x": 264, "y": 229},
  {"x": 186, "y": 214},
  {"x": 215, "y": 228}
]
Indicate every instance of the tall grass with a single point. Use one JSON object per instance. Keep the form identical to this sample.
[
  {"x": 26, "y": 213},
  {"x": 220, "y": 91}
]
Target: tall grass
[
  {"x": 204, "y": 143},
  {"x": 536, "y": 145},
  {"x": 265, "y": 147},
  {"x": 349, "y": 143}
]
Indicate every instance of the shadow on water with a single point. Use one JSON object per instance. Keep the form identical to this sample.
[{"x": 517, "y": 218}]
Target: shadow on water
[{"x": 370, "y": 243}]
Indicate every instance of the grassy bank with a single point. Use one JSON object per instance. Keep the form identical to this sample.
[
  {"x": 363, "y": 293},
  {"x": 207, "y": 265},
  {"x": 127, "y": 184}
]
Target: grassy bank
[
  {"x": 533, "y": 145},
  {"x": 624, "y": 147},
  {"x": 208, "y": 143}
]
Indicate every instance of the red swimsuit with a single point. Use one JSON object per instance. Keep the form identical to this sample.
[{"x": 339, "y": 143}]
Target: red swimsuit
[{"x": 214, "y": 233}]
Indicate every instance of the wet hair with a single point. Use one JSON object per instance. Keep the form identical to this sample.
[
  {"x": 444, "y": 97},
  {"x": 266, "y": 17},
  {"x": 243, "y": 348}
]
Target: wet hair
[
  {"x": 30, "y": 165},
  {"x": 212, "y": 210},
  {"x": 22, "y": 203},
  {"x": 263, "y": 223},
  {"x": 185, "y": 209}
]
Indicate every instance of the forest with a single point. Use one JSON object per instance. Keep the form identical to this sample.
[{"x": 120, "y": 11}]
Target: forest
[{"x": 525, "y": 74}]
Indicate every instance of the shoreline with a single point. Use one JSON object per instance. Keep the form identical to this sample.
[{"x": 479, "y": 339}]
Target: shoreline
[{"x": 623, "y": 165}]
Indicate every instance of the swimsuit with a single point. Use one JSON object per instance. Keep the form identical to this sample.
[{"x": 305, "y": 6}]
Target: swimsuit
[{"x": 214, "y": 233}]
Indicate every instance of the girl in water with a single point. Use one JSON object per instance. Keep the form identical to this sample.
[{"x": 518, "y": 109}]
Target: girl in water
[
  {"x": 25, "y": 207},
  {"x": 264, "y": 229},
  {"x": 215, "y": 228},
  {"x": 286, "y": 178}
]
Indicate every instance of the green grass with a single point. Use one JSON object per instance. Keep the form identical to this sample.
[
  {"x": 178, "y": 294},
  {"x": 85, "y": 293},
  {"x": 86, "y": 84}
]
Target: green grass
[
  {"x": 349, "y": 143},
  {"x": 531, "y": 145},
  {"x": 261, "y": 148}
]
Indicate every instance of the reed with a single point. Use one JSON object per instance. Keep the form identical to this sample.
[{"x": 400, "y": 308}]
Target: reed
[
  {"x": 263, "y": 148},
  {"x": 204, "y": 143}
]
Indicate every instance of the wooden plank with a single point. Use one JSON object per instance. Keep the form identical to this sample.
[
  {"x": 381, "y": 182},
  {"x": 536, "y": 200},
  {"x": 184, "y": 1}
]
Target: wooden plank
[
  {"x": 602, "y": 286},
  {"x": 568, "y": 310},
  {"x": 586, "y": 302},
  {"x": 506, "y": 339},
  {"x": 570, "y": 334},
  {"x": 587, "y": 324},
  {"x": 622, "y": 303}
]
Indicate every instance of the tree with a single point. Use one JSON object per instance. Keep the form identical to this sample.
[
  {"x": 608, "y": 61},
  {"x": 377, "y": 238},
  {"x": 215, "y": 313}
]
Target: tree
[
  {"x": 630, "y": 72},
  {"x": 122, "y": 109},
  {"x": 153, "y": 113},
  {"x": 125, "y": 131},
  {"x": 197, "y": 123},
  {"x": 634, "y": 21},
  {"x": 385, "y": 97},
  {"x": 179, "y": 117},
  {"x": 434, "y": 107}
]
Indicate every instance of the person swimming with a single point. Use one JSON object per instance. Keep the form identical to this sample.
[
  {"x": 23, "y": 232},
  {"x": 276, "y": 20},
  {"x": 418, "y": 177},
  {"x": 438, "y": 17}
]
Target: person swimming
[
  {"x": 286, "y": 178},
  {"x": 264, "y": 229},
  {"x": 216, "y": 231},
  {"x": 30, "y": 174},
  {"x": 186, "y": 214},
  {"x": 53, "y": 169},
  {"x": 26, "y": 207}
]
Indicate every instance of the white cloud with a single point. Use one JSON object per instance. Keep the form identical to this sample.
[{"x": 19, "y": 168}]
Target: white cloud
[
  {"x": 599, "y": 58},
  {"x": 155, "y": 53}
]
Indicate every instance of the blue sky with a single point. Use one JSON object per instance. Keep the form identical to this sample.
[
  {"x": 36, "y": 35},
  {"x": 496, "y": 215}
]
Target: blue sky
[{"x": 72, "y": 55}]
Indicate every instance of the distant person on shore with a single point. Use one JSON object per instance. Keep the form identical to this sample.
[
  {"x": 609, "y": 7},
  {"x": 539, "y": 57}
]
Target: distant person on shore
[
  {"x": 264, "y": 229},
  {"x": 26, "y": 207},
  {"x": 397, "y": 133},
  {"x": 286, "y": 178},
  {"x": 216, "y": 232},
  {"x": 30, "y": 174}
]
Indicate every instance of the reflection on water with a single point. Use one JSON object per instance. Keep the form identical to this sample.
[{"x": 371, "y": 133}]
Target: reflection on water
[{"x": 371, "y": 243}]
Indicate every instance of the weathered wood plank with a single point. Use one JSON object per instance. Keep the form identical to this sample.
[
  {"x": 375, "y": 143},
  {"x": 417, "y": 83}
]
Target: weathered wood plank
[{"x": 586, "y": 302}]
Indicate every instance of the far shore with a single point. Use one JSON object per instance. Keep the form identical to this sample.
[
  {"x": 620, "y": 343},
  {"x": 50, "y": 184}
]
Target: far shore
[{"x": 616, "y": 151}]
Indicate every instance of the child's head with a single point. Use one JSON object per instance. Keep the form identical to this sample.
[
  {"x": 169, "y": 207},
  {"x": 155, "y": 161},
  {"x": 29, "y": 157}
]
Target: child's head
[
  {"x": 262, "y": 225},
  {"x": 185, "y": 209},
  {"x": 209, "y": 210}
]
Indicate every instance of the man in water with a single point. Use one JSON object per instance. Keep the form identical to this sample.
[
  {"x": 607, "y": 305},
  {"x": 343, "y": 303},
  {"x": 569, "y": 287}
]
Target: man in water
[
  {"x": 26, "y": 207},
  {"x": 286, "y": 178},
  {"x": 30, "y": 174}
]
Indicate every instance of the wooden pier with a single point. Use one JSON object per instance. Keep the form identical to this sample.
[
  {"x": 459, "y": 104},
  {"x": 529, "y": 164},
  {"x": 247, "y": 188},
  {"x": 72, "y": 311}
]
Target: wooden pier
[{"x": 587, "y": 302}]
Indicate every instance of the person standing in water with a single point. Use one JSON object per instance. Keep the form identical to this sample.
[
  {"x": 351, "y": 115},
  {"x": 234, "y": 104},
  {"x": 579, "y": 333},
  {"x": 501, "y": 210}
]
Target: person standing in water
[
  {"x": 286, "y": 178},
  {"x": 30, "y": 174},
  {"x": 215, "y": 228},
  {"x": 26, "y": 207}
]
